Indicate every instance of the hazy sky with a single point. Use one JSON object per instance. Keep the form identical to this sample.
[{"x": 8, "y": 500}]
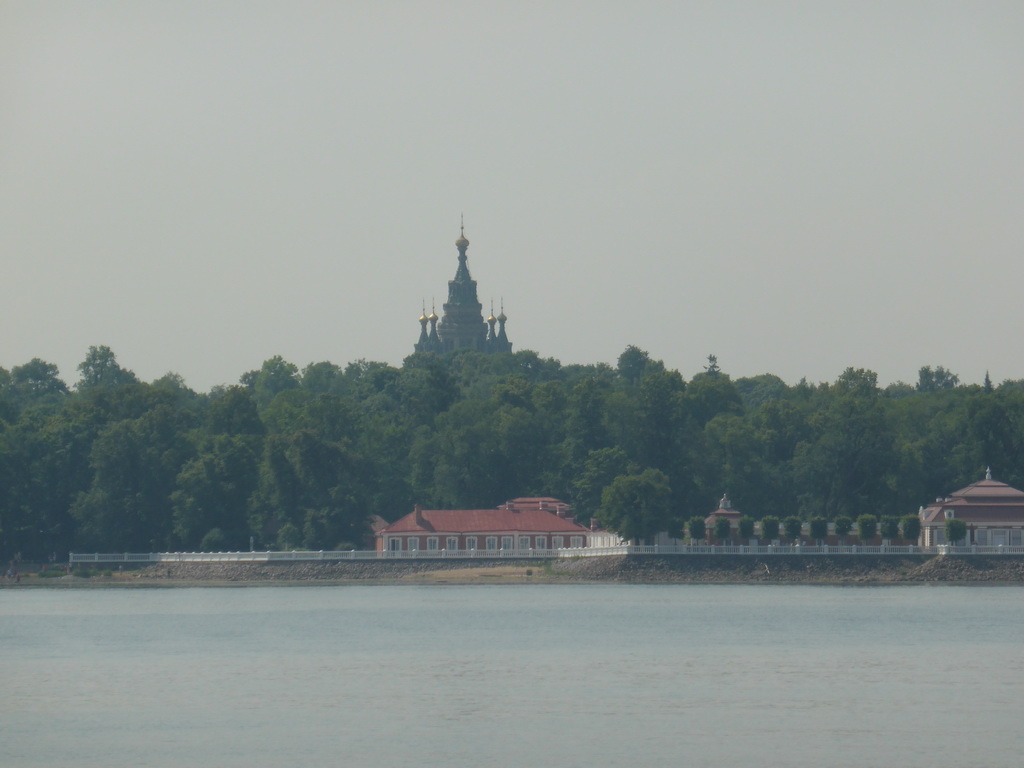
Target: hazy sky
[{"x": 796, "y": 187}]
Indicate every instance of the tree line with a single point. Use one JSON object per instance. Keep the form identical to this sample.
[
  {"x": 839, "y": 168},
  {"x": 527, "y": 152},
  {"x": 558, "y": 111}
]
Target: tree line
[{"x": 291, "y": 458}]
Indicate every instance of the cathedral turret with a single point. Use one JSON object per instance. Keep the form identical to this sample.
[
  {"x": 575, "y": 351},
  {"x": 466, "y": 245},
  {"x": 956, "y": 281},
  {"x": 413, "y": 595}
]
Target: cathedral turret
[
  {"x": 462, "y": 325},
  {"x": 423, "y": 329}
]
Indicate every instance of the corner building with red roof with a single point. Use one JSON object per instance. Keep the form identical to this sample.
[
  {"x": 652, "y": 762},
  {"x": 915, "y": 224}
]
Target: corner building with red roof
[{"x": 993, "y": 512}]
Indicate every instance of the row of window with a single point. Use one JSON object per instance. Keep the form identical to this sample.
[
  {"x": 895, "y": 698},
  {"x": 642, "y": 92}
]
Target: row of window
[
  {"x": 489, "y": 542},
  {"x": 995, "y": 537},
  {"x": 984, "y": 537}
]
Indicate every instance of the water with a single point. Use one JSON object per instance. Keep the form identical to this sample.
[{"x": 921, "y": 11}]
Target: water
[{"x": 508, "y": 676}]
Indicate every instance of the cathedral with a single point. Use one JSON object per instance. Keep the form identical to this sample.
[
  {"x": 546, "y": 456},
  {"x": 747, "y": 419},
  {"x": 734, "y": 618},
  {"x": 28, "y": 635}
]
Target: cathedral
[{"x": 463, "y": 326}]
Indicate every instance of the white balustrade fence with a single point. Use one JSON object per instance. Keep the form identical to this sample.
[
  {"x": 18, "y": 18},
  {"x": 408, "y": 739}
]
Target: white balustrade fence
[{"x": 762, "y": 550}]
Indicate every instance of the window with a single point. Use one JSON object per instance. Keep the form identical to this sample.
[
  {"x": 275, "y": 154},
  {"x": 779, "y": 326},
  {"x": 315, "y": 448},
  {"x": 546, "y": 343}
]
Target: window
[
  {"x": 981, "y": 537},
  {"x": 452, "y": 543},
  {"x": 413, "y": 543},
  {"x": 524, "y": 542},
  {"x": 576, "y": 541},
  {"x": 492, "y": 542},
  {"x": 395, "y": 544},
  {"x": 542, "y": 542},
  {"x": 432, "y": 543},
  {"x": 557, "y": 542},
  {"x": 507, "y": 542},
  {"x": 471, "y": 542},
  {"x": 1015, "y": 537}
]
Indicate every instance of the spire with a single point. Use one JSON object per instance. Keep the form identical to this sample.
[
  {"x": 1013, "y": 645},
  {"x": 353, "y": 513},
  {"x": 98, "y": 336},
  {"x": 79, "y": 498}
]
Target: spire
[
  {"x": 988, "y": 473},
  {"x": 491, "y": 320},
  {"x": 423, "y": 328},
  {"x": 504, "y": 344},
  {"x": 462, "y": 243}
]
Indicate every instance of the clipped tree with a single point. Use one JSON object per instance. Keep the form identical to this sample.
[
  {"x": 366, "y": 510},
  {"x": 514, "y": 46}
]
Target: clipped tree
[
  {"x": 843, "y": 527},
  {"x": 956, "y": 530},
  {"x": 867, "y": 527},
  {"x": 696, "y": 528},
  {"x": 793, "y": 526},
  {"x": 723, "y": 529},
  {"x": 770, "y": 528},
  {"x": 746, "y": 527},
  {"x": 910, "y": 528},
  {"x": 889, "y": 527},
  {"x": 819, "y": 529}
]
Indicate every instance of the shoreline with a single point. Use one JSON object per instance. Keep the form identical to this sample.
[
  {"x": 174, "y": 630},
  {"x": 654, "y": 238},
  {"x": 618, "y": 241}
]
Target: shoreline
[{"x": 844, "y": 570}]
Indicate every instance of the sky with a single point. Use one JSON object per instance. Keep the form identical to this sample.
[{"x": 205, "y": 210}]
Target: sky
[{"x": 794, "y": 187}]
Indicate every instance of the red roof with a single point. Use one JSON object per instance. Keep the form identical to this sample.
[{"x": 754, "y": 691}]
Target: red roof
[
  {"x": 523, "y": 516},
  {"x": 990, "y": 491}
]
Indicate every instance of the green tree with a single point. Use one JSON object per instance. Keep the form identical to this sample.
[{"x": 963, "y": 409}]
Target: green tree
[
  {"x": 697, "y": 529},
  {"x": 633, "y": 364},
  {"x": 637, "y": 506},
  {"x": 843, "y": 527},
  {"x": 770, "y": 528},
  {"x": 793, "y": 527},
  {"x": 599, "y": 469},
  {"x": 929, "y": 380},
  {"x": 276, "y": 375},
  {"x": 585, "y": 427},
  {"x": 100, "y": 369},
  {"x": 956, "y": 530},
  {"x": 889, "y": 527},
  {"x": 847, "y": 464},
  {"x": 723, "y": 529},
  {"x": 135, "y": 462},
  {"x": 867, "y": 527},
  {"x": 819, "y": 529},
  {"x": 756, "y": 390},
  {"x": 36, "y": 380},
  {"x": 212, "y": 492},
  {"x": 322, "y": 379},
  {"x": 709, "y": 396},
  {"x": 910, "y": 528},
  {"x": 746, "y": 527}
]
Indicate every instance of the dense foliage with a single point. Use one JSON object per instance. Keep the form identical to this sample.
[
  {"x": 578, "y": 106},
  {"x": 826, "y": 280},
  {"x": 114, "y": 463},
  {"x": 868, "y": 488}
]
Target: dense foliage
[{"x": 292, "y": 458}]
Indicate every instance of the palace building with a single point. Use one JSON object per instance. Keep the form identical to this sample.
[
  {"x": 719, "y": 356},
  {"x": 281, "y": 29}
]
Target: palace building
[
  {"x": 519, "y": 525},
  {"x": 462, "y": 325}
]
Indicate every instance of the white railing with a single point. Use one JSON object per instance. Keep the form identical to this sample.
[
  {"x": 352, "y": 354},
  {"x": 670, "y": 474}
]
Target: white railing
[{"x": 625, "y": 549}]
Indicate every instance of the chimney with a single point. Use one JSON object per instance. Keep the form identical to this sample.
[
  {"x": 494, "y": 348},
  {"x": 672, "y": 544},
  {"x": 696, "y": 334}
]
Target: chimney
[{"x": 417, "y": 512}]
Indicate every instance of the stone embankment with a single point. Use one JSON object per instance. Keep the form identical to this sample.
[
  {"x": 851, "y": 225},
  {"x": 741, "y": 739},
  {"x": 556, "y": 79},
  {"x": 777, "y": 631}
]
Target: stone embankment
[
  {"x": 644, "y": 569},
  {"x": 799, "y": 569}
]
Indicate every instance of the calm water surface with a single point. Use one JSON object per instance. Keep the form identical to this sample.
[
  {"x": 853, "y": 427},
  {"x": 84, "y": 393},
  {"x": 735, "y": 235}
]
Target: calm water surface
[{"x": 508, "y": 676}]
